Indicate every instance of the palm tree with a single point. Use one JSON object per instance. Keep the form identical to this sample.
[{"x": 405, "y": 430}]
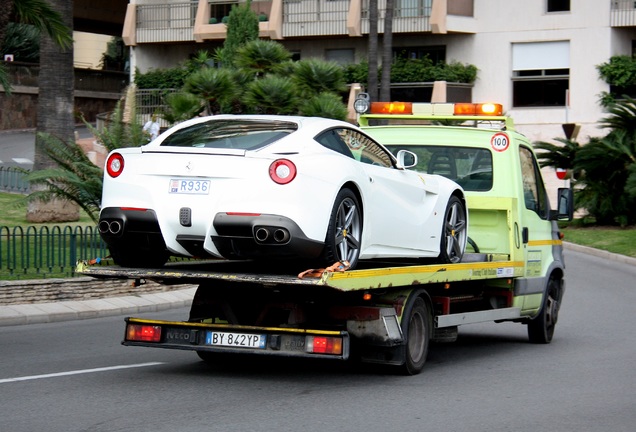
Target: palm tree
[
  {"x": 262, "y": 57},
  {"x": 56, "y": 101},
  {"x": 372, "y": 81},
  {"x": 75, "y": 178},
  {"x": 42, "y": 16},
  {"x": 387, "y": 52},
  {"x": 213, "y": 86},
  {"x": 327, "y": 105},
  {"x": 272, "y": 94},
  {"x": 315, "y": 76}
]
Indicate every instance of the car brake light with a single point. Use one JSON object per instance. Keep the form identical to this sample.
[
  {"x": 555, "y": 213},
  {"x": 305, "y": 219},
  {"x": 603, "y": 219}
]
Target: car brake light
[
  {"x": 143, "y": 333},
  {"x": 324, "y": 345},
  {"x": 282, "y": 171},
  {"x": 115, "y": 165}
]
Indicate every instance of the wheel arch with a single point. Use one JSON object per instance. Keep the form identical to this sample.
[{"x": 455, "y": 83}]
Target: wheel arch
[{"x": 353, "y": 187}]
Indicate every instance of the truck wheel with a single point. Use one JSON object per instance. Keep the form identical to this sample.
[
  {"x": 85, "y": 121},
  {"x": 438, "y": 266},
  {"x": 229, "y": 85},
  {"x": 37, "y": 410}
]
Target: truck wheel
[
  {"x": 541, "y": 328},
  {"x": 344, "y": 230},
  {"x": 454, "y": 232},
  {"x": 416, "y": 330}
]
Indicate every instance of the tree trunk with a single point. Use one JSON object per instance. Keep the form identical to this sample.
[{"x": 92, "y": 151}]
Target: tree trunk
[
  {"x": 387, "y": 52},
  {"x": 6, "y": 9},
  {"x": 372, "y": 79},
  {"x": 55, "y": 114}
]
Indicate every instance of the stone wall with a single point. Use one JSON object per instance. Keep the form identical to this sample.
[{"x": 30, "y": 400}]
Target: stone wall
[
  {"x": 19, "y": 110},
  {"x": 79, "y": 288}
]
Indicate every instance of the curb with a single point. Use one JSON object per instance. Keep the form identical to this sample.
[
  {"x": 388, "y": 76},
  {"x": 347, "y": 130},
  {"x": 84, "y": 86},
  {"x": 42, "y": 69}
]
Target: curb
[
  {"x": 600, "y": 253},
  {"x": 39, "y": 313}
]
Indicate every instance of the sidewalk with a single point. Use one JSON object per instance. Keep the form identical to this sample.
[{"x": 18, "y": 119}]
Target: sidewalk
[{"x": 37, "y": 313}]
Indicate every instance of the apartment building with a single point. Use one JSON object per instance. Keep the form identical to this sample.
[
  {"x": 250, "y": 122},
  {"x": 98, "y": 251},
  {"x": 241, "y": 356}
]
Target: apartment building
[{"x": 537, "y": 57}]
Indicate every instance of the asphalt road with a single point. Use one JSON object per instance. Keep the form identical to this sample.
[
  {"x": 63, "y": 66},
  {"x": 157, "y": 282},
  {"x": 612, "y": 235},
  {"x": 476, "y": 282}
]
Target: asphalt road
[
  {"x": 17, "y": 148},
  {"x": 75, "y": 376}
]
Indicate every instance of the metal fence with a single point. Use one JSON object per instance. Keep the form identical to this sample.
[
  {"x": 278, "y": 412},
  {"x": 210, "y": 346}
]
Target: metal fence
[
  {"x": 47, "y": 251},
  {"x": 12, "y": 180}
]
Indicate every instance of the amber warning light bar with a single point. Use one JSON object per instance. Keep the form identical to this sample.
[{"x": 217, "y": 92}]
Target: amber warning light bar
[{"x": 364, "y": 106}]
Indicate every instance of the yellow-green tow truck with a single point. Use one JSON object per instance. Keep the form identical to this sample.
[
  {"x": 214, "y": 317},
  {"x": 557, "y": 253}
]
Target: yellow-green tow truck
[{"x": 387, "y": 312}]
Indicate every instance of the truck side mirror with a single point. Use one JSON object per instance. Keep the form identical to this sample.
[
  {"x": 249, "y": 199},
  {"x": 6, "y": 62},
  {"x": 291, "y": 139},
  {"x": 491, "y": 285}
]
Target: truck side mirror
[{"x": 565, "y": 205}]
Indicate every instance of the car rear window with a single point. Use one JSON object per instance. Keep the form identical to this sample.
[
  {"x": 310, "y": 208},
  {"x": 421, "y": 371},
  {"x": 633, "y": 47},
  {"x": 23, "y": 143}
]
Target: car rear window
[
  {"x": 230, "y": 134},
  {"x": 470, "y": 167}
]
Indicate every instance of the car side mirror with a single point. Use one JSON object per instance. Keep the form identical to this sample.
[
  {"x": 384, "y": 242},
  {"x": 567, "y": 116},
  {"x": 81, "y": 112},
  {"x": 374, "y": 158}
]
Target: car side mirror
[
  {"x": 565, "y": 205},
  {"x": 406, "y": 159}
]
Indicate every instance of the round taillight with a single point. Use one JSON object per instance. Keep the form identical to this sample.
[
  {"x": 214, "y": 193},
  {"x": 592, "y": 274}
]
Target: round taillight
[
  {"x": 282, "y": 171},
  {"x": 115, "y": 165}
]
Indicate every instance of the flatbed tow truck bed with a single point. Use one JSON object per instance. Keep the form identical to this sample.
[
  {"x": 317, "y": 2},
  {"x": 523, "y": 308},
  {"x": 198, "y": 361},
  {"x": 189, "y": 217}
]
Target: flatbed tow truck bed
[{"x": 368, "y": 276}]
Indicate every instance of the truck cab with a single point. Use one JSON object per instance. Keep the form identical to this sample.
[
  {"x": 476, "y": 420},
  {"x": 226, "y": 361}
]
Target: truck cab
[{"x": 509, "y": 208}]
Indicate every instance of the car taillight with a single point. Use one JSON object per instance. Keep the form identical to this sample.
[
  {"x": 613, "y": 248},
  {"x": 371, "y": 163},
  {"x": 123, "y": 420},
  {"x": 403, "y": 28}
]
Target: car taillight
[
  {"x": 143, "y": 333},
  {"x": 323, "y": 345},
  {"x": 115, "y": 165},
  {"x": 282, "y": 171}
]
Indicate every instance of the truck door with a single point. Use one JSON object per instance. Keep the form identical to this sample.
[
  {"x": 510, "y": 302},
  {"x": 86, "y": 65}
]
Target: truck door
[{"x": 535, "y": 226}]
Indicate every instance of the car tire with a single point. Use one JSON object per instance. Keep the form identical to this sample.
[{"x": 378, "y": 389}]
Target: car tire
[
  {"x": 541, "y": 328},
  {"x": 137, "y": 258},
  {"x": 344, "y": 231},
  {"x": 454, "y": 232}
]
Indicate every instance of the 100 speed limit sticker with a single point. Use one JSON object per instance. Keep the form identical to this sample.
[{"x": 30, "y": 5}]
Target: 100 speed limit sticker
[{"x": 500, "y": 142}]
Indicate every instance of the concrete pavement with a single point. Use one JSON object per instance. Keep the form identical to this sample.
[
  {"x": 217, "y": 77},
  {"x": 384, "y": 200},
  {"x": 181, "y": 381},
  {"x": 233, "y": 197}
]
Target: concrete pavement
[{"x": 36, "y": 313}]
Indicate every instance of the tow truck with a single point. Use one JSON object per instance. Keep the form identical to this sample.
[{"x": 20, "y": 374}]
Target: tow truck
[{"x": 388, "y": 312}]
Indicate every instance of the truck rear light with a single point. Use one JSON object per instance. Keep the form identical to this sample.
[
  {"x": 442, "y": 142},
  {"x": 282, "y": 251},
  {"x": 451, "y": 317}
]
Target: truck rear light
[
  {"x": 143, "y": 333},
  {"x": 324, "y": 345}
]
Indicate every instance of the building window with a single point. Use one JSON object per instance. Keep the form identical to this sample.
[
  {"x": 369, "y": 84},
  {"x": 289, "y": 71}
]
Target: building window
[
  {"x": 540, "y": 73},
  {"x": 558, "y": 5},
  {"x": 340, "y": 56},
  {"x": 412, "y": 8}
]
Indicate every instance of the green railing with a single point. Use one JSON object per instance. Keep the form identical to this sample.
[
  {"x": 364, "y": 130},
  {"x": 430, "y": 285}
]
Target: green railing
[
  {"x": 47, "y": 251},
  {"x": 12, "y": 180}
]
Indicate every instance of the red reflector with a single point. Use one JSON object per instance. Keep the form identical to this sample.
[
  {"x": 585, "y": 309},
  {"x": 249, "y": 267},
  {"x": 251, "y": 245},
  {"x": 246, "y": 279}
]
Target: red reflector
[
  {"x": 143, "y": 333},
  {"x": 133, "y": 208},
  {"x": 324, "y": 345}
]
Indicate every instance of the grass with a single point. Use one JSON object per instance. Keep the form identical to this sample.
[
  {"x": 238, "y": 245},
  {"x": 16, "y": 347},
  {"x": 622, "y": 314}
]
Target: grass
[
  {"x": 612, "y": 239},
  {"x": 14, "y": 209}
]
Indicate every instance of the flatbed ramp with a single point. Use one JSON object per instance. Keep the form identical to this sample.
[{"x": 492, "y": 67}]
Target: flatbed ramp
[{"x": 377, "y": 275}]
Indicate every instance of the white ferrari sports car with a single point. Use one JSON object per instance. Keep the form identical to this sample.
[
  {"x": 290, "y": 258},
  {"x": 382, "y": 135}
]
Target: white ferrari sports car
[{"x": 275, "y": 187}]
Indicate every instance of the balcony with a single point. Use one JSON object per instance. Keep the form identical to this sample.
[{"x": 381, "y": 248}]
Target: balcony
[
  {"x": 205, "y": 19},
  {"x": 623, "y": 13}
]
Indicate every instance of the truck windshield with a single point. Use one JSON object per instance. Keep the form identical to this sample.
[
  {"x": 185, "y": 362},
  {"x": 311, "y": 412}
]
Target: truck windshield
[{"x": 470, "y": 167}]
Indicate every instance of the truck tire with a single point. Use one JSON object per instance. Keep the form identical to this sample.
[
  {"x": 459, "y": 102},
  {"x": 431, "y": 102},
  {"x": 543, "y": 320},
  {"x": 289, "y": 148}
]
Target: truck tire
[
  {"x": 416, "y": 328},
  {"x": 541, "y": 328}
]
